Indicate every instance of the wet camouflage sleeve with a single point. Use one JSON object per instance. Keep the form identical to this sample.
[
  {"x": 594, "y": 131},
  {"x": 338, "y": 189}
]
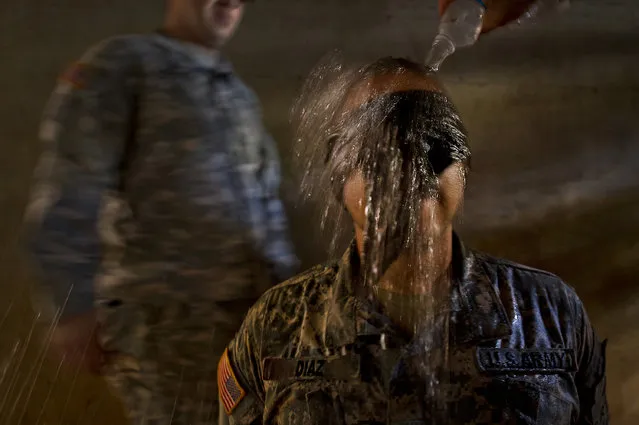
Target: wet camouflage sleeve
[
  {"x": 591, "y": 377},
  {"x": 84, "y": 130},
  {"x": 279, "y": 248},
  {"x": 244, "y": 356}
]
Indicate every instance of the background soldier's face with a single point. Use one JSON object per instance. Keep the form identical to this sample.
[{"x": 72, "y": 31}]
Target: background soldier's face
[{"x": 213, "y": 21}]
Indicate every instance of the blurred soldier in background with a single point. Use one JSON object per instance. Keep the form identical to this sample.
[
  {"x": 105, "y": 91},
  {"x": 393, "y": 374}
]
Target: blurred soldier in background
[
  {"x": 155, "y": 219},
  {"x": 410, "y": 326}
]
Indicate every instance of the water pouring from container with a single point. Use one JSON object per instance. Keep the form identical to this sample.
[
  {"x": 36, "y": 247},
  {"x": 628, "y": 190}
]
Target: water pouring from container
[{"x": 464, "y": 21}]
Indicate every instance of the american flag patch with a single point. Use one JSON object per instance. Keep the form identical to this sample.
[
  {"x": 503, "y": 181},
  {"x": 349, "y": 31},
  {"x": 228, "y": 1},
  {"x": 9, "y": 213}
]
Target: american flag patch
[
  {"x": 231, "y": 393},
  {"x": 75, "y": 75}
]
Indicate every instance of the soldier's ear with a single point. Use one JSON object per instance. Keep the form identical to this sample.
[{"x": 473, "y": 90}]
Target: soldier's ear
[
  {"x": 342, "y": 202},
  {"x": 338, "y": 197}
]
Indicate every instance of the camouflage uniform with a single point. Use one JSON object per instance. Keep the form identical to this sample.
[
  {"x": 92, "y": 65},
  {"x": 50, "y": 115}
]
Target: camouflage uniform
[
  {"x": 157, "y": 200},
  {"x": 521, "y": 351}
]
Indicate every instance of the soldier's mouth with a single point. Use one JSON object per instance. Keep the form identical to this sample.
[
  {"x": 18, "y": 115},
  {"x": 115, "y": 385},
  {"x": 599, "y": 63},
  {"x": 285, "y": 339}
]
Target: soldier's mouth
[
  {"x": 227, "y": 4},
  {"x": 222, "y": 12}
]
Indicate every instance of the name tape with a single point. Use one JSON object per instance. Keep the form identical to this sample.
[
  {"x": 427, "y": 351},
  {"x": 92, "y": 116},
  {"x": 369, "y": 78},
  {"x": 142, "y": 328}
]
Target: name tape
[{"x": 338, "y": 368}]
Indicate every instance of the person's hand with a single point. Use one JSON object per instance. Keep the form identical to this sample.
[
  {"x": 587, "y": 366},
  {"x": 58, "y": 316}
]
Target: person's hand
[
  {"x": 74, "y": 343},
  {"x": 500, "y": 13}
]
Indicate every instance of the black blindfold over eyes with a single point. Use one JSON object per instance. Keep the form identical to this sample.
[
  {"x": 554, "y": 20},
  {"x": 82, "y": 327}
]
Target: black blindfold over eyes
[
  {"x": 422, "y": 127},
  {"x": 438, "y": 157}
]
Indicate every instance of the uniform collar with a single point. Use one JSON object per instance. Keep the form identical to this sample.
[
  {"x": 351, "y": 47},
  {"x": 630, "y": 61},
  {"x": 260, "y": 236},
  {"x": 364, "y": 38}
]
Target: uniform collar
[
  {"x": 191, "y": 55},
  {"x": 477, "y": 313}
]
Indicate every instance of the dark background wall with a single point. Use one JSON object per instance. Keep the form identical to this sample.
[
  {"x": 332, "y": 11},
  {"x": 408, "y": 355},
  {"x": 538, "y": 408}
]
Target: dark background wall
[{"x": 552, "y": 110}]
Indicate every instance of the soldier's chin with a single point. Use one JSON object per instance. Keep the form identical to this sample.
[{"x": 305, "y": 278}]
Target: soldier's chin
[
  {"x": 221, "y": 22},
  {"x": 215, "y": 37},
  {"x": 218, "y": 31},
  {"x": 222, "y": 33}
]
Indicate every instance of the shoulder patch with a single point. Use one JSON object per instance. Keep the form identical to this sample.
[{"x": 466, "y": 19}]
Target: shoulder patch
[
  {"x": 76, "y": 75},
  {"x": 230, "y": 390}
]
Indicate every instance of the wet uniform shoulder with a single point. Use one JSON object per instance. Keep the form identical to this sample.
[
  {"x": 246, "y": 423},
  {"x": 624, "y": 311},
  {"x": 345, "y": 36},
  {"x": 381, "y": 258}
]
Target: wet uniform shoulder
[
  {"x": 533, "y": 293},
  {"x": 308, "y": 282},
  {"x": 544, "y": 312},
  {"x": 274, "y": 321},
  {"x": 528, "y": 283},
  {"x": 288, "y": 301}
]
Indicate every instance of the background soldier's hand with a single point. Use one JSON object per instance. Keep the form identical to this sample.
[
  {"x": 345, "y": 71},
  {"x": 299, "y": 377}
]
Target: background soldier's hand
[{"x": 75, "y": 343}]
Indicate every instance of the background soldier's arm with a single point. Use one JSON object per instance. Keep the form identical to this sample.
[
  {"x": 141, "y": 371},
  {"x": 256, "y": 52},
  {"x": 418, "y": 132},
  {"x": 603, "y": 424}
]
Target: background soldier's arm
[
  {"x": 279, "y": 247},
  {"x": 591, "y": 375},
  {"x": 84, "y": 131},
  {"x": 240, "y": 384}
]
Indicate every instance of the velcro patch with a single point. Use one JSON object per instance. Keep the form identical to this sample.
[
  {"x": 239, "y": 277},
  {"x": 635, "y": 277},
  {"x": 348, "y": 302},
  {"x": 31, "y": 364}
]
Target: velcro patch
[
  {"x": 527, "y": 360},
  {"x": 75, "y": 75},
  {"x": 231, "y": 392},
  {"x": 339, "y": 368}
]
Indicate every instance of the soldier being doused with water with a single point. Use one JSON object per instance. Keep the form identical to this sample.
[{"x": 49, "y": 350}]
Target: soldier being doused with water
[{"x": 410, "y": 326}]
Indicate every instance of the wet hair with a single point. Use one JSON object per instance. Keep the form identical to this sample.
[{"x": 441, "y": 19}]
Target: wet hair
[
  {"x": 421, "y": 129},
  {"x": 400, "y": 141}
]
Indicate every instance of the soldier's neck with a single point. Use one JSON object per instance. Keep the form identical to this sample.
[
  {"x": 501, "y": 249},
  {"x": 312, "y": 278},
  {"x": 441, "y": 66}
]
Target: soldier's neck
[
  {"x": 413, "y": 291},
  {"x": 417, "y": 274},
  {"x": 415, "y": 314}
]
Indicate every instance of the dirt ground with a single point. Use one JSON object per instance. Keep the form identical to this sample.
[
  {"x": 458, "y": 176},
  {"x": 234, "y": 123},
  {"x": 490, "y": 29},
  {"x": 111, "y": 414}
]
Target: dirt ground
[{"x": 552, "y": 112}]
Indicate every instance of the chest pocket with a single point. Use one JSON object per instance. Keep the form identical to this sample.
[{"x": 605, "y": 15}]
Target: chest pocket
[
  {"x": 515, "y": 400},
  {"x": 521, "y": 387}
]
